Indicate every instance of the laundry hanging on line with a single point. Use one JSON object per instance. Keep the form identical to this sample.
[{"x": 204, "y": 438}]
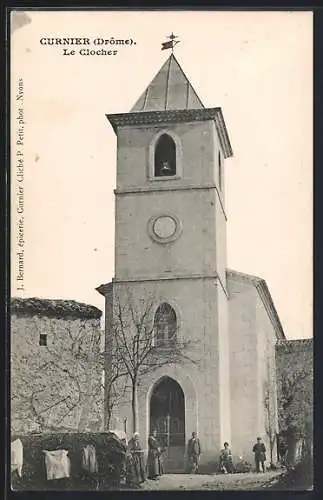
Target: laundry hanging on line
[
  {"x": 120, "y": 435},
  {"x": 58, "y": 464},
  {"x": 17, "y": 457},
  {"x": 89, "y": 460}
]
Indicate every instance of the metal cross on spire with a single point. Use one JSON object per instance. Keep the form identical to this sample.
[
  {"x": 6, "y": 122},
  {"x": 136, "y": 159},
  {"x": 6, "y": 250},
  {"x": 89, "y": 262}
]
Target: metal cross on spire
[{"x": 171, "y": 44}]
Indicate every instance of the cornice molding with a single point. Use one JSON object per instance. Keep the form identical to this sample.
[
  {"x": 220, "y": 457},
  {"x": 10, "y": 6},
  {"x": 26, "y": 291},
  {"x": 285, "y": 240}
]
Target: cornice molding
[
  {"x": 175, "y": 116},
  {"x": 104, "y": 289},
  {"x": 141, "y": 279},
  {"x": 165, "y": 278},
  {"x": 270, "y": 308},
  {"x": 294, "y": 343},
  {"x": 154, "y": 189}
]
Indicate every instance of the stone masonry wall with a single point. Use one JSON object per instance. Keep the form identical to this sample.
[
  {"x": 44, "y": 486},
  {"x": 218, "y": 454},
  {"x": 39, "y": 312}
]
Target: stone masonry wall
[
  {"x": 243, "y": 368},
  {"x": 253, "y": 370},
  {"x": 195, "y": 302},
  {"x": 138, "y": 256},
  {"x": 267, "y": 377},
  {"x": 197, "y": 155},
  {"x": 57, "y": 386}
]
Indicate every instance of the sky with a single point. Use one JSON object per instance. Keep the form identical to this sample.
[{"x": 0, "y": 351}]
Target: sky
[{"x": 256, "y": 66}]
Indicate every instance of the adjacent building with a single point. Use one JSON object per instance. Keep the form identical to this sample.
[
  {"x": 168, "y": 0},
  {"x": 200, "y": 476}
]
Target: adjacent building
[{"x": 56, "y": 367}]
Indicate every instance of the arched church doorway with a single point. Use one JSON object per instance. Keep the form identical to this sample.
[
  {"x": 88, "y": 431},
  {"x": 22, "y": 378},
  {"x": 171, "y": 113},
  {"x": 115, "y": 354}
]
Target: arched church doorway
[{"x": 167, "y": 416}]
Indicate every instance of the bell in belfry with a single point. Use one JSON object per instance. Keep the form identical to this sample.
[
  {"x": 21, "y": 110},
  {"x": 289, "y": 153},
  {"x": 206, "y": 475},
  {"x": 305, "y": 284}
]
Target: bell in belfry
[{"x": 165, "y": 168}]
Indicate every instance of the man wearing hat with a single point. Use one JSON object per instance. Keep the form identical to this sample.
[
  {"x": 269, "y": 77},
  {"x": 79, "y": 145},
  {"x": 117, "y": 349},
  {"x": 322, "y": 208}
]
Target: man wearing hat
[{"x": 259, "y": 450}]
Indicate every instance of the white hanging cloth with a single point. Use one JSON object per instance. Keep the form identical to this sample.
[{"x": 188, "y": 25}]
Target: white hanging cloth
[
  {"x": 120, "y": 434},
  {"x": 17, "y": 456},
  {"x": 58, "y": 464},
  {"x": 89, "y": 461}
]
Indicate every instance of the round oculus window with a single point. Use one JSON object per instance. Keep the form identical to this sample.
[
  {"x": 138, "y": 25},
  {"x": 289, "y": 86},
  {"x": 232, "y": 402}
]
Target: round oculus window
[{"x": 164, "y": 228}]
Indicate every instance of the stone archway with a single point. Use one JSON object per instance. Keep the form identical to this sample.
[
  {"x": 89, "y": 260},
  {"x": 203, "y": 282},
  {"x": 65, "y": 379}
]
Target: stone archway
[
  {"x": 167, "y": 417},
  {"x": 147, "y": 385}
]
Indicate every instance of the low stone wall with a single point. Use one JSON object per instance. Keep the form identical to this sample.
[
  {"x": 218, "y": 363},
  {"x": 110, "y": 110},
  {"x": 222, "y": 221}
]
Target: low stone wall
[{"x": 109, "y": 451}]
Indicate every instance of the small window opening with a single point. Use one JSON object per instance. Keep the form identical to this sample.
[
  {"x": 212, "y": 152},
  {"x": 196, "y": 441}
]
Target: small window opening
[{"x": 43, "y": 339}]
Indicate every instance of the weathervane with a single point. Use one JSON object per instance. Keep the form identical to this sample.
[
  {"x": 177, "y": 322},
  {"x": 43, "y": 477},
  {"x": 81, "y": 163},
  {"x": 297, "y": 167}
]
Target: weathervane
[{"x": 171, "y": 44}]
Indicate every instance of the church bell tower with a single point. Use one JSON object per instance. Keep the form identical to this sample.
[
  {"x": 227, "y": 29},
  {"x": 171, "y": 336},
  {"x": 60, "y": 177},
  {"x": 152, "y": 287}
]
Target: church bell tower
[{"x": 170, "y": 243}]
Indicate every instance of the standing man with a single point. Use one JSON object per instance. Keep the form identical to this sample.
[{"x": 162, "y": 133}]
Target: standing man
[
  {"x": 193, "y": 453},
  {"x": 259, "y": 450},
  {"x": 282, "y": 450},
  {"x": 154, "y": 463}
]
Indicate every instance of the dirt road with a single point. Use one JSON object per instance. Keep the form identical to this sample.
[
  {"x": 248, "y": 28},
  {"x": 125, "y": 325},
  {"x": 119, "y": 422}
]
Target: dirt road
[{"x": 247, "y": 481}]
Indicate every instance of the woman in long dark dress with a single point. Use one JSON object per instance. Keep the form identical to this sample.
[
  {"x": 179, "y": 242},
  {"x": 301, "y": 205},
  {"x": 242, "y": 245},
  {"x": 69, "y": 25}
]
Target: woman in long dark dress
[
  {"x": 154, "y": 463},
  {"x": 135, "y": 461}
]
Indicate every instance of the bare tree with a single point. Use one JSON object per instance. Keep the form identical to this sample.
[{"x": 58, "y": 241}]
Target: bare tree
[
  {"x": 114, "y": 387},
  {"x": 138, "y": 346},
  {"x": 295, "y": 390},
  {"x": 270, "y": 420}
]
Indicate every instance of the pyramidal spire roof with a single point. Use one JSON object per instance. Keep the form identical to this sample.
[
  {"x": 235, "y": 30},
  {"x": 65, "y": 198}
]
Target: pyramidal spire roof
[
  {"x": 170, "y": 98},
  {"x": 169, "y": 90}
]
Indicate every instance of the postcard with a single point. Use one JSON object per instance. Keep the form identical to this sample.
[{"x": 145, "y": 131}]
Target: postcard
[{"x": 161, "y": 250}]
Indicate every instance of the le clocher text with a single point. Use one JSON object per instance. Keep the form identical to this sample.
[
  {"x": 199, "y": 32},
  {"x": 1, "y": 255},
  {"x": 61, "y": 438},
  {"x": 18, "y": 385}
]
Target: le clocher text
[{"x": 107, "y": 46}]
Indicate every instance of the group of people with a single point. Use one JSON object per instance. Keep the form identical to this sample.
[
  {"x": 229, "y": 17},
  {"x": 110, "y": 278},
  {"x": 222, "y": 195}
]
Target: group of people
[
  {"x": 136, "y": 472},
  {"x": 194, "y": 452},
  {"x": 225, "y": 461},
  {"x": 259, "y": 450}
]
